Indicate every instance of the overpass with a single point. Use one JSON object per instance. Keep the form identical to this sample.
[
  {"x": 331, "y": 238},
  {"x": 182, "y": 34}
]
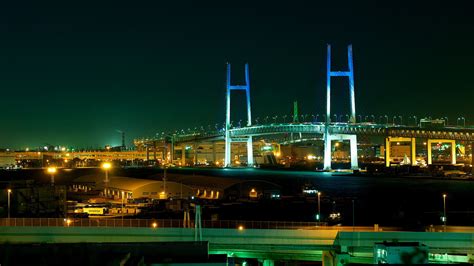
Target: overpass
[{"x": 298, "y": 243}]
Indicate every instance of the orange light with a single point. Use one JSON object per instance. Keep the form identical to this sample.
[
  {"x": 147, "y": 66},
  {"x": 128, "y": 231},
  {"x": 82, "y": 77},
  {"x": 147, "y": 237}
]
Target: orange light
[
  {"x": 241, "y": 227},
  {"x": 52, "y": 170},
  {"x": 106, "y": 165},
  {"x": 154, "y": 225}
]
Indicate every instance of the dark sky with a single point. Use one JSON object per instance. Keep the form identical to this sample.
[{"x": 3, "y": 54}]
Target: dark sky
[{"x": 72, "y": 74}]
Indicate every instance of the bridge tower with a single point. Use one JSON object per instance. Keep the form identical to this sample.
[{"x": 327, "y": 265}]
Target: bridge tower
[
  {"x": 352, "y": 119},
  {"x": 228, "y": 139}
]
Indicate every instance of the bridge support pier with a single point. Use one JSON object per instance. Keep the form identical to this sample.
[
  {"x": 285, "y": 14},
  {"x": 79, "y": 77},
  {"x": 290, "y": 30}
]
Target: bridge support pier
[
  {"x": 388, "y": 142},
  {"x": 328, "y": 138},
  {"x": 250, "y": 161},
  {"x": 429, "y": 149},
  {"x": 195, "y": 155},
  {"x": 214, "y": 156},
  {"x": 327, "y": 151},
  {"x": 183, "y": 155},
  {"x": 333, "y": 258},
  {"x": 172, "y": 150},
  {"x": 267, "y": 262}
]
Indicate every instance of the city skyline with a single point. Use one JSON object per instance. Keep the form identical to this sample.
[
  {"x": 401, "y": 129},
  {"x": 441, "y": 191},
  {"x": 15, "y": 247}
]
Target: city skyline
[{"x": 73, "y": 76}]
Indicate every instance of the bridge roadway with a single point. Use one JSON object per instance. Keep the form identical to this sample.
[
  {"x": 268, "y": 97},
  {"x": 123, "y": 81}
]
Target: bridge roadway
[
  {"x": 303, "y": 244},
  {"x": 370, "y": 129}
]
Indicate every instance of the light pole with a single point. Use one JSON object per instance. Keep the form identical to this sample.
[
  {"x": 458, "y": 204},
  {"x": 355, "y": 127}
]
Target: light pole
[
  {"x": 416, "y": 120},
  {"x": 164, "y": 180},
  {"x": 319, "y": 206},
  {"x": 446, "y": 121},
  {"x": 9, "y": 195},
  {"x": 444, "y": 211},
  {"x": 123, "y": 196},
  {"x": 52, "y": 171},
  {"x": 353, "y": 215},
  {"x": 106, "y": 166}
]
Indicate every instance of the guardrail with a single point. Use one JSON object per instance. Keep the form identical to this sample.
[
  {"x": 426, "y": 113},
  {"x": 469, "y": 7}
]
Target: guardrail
[
  {"x": 159, "y": 223},
  {"x": 175, "y": 223}
]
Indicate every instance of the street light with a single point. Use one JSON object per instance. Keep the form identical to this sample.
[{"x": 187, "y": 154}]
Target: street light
[
  {"x": 319, "y": 206},
  {"x": 9, "y": 194},
  {"x": 52, "y": 171},
  {"x": 123, "y": 196},
  {"x": 106, "y": 166},
  {"x": 444, "y": 210},
  {"x": 416, "y": 120}
]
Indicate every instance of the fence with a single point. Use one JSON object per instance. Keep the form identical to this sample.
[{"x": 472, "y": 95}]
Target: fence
[{"x": 158, "y": 223}]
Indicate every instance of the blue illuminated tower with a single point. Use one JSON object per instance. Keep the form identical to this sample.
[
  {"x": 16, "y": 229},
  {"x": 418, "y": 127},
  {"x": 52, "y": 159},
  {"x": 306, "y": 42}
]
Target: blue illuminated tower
[
  {"x": 352, "y": 119},
  {"x": 228, "y": 139}
]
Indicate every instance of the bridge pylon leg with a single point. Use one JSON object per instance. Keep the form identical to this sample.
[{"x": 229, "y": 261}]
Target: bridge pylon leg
[
  {"x": 250, "y": 161},
  {"x": 227, "y": 150},
  {"x": 228, "y": 140},
  {"x": 354, "y": 153},
  {"x": 327, "y": 152}
]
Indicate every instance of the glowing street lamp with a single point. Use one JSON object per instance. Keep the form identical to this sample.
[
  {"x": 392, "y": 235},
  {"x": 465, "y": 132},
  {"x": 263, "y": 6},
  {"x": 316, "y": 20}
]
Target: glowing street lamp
[
  {"x": 106, "y": 166},
  {"x": 319, "y": 206},
  {"x": 9, "y": 195},
  {"x": 52, "y": 171},
  {"x": 123, "y": 196},
  {"x": 444, "y": 210}
]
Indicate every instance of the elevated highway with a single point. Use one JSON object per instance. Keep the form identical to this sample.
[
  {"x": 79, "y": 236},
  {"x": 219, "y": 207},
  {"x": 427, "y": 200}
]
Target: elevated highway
[{"x": 299, "y": 244}]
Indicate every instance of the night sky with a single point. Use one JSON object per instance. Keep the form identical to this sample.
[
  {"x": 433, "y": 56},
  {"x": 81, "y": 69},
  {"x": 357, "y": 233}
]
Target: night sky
[{"x": 73, "y": 74}]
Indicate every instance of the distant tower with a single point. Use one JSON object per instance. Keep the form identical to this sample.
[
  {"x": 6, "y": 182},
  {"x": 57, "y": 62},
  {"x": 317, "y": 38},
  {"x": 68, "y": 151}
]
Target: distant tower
[
  {"x": 123, "y": 141},
  {"x": 228, "y": 140},
  {"x": 295, "y": 112},
  {"x": 123, "y": 147},
  {"x": 352, "y": 119}
]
